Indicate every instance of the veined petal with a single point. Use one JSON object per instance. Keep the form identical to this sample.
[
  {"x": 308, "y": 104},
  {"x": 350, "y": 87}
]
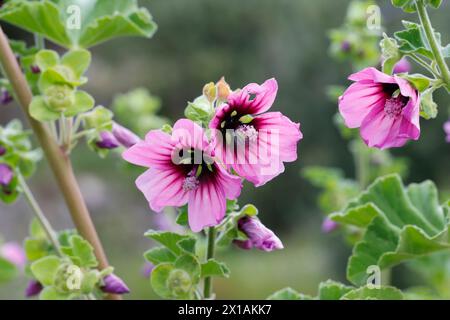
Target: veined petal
[
  {"x": 162, "y": 188},
  {"x": 189, "y": 134},
  {"x": 206, "y": 206},
  {"x": 255, "y": 98},
  {"x": 154, "y": 151},
  {"x": 372, "y": 75}
]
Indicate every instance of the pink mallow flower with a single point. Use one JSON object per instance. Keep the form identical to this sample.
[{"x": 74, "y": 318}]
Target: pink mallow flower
[
  {"x": 384, "y": 107},
  {"x": 255, "y": 143},
  {"x": 447, "y": 131},
  {"x": 14, "y": 253},
  {"x": 182, "y": 170},
  {"x": 329, "y": 225},
  {"x": 258, "y": 235},
  {"x": 33, "y": 288}
]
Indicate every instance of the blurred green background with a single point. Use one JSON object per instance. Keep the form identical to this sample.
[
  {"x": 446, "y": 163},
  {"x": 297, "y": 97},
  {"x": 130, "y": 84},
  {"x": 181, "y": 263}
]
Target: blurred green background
[{"x": 246, "y": 41}]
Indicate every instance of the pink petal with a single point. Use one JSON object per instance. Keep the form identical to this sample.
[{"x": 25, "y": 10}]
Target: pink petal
[
  {"x": 189, "y": 134},
  {"x": 155, "y": 151},
  {"x": 206, "y": 206},
  {"x": 371, "y": 75},
  {"x": 289, "y": 133},
  {"x": 358, "y": 100},
  {"x": 264, "y": 96},
  {"x": 163, "y": 188},
  {"x": 231, "y": 184},
  {"x": 376, "y": 129}
]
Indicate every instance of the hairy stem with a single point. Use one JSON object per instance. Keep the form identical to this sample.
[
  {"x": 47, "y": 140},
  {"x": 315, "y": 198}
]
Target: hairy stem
[
  {"x": 362, "y": 165},
  {"x": 59, "y": 162},
  {"x": 51, "y": 235},
  {"x": 207, "y": 289},
  {"x": 435, "y": 47}
]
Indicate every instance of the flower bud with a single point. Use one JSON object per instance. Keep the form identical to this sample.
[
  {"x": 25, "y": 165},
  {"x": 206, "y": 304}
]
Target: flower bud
[
  {"x": 14, "y": 253},
  {"x": 209, "y": 91},
  {"x": 5, "y": 97},
  {"x": 179, "y": 282},
  {"x": 329, "y": 225},
  {"x": 243, "y": 244},
  {"x": 345, "y": 46},
  {"x": 6, "y": 175},
  {"x": 33, "y": 288},
  {"x": 113, "y": 284},
  {"x": 447, "y": 131},
  {"x": 64, "y": 278},
  {"x": 59, "y": 97},
  {"x": 2, "y": 151},
  {"x": 124, "y": 136},
  {"x": 223, "y": 90},
  {"x": 35, "y": 69},
  {"x": 107, "y": 141},
  {"x": 147, "y": 269},
  {"x": 259, "y": 236},
  {"x": 403, "y": 66}
]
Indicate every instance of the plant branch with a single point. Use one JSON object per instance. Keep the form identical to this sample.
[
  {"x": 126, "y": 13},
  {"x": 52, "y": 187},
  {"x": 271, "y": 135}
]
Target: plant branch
[
  {"x": 57, "y": 159},
  {"x": 435, "y": 47},
  {"x": 39, "y": 214},
  {"x": 207, "y": 289}
]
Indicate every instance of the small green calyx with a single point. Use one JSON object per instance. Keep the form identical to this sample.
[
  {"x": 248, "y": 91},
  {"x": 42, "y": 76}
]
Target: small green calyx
[
  {"x": 179, "y": 283},
  {"x": 59, "y": 97},
  {"x": 68, "y": 278}
]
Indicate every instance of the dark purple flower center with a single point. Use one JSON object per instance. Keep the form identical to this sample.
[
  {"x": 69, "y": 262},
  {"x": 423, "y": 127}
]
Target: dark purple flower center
[
  {"x": 395, "y": 101},
  {"x": 195, "y": 165}
]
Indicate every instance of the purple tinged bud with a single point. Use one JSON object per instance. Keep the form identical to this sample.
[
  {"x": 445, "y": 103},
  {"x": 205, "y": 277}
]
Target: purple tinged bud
[
  {"x": 329, "y": 225},
  {"x": 14, "y": 253},
  {"x": 5, "y": 97},
  {"x": 124, "y": 136},
  {"x": 243, "y": 244},
  {"x": 113, "y": 284},
  {"x": 2, "y": 151},
  {"x": 402, "y": 66},
  {"x": 107, "y": 141},
  {"x": 345, "y": 46},
  {"x": 33, "y": 288},
  {"x": 447, "y": 131},
  {"x": 258, "y": 235},
  {"x": 35, "y": 69},
  {"x": 6, "y": 175}
]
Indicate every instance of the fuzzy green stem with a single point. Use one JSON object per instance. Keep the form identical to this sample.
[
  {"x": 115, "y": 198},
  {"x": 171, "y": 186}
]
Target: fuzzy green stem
[
  {"x": 362, "y": 164},
  {"x": 207, "y": 289},
  {"x": 435, "y": 47},
  {"x": 59, "y": 162},
  {"x": 39, "y": 41},
  {"x": 51, "y": 235}
]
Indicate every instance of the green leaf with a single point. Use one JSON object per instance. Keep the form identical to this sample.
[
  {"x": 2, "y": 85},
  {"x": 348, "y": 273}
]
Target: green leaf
[
  {"x": 159, "y": 255},
  {"x": 407, "y": 5},
  {"x": 36, "y": 230},
  {"x": 214, "y": 268},
  {"x": 400, "y": 224},
  {"x": 44, "y": 270},
  {"x": 158, "y": 279},
  {"x": 77, "y": 60},
  {"x": 249, "y": 210},
  {"x": 182, "y": 218},
  {"x": 83, "y": 251},
  {"x": 191, "y": 265},
  {"x": 366, "y": 293},
  {"x": 99, "y": 118},
  {"x": 390, "y": 53},
  {"x": 8, "y": 270},
  {"x": 46, "y": 59},
  {"x": 419, "y": 81},
  {"x": 36, "y": 248},
  {"x": 99, "y": 20},
  {"x": 187, "y": 245},
  {"x": 51, "y": 293},
  {"x": 90, "y": 280},
  {"x": 413, "y": 40},
  {"x": 40, "y": 111},
  {"x": 288, "y": 294},
  {"x": 83, "y": 102},
  {"x": 201, "y": 110},
  {"x": 168, "y": 239},
  {"x": 332, "y": 290},
  {"x": 428, "y": 108}
]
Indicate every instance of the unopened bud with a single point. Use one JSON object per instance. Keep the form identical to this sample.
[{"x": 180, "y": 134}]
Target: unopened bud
[
  {"x": 209, "y": 91},
  {"x": 223, "y": 89}
]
